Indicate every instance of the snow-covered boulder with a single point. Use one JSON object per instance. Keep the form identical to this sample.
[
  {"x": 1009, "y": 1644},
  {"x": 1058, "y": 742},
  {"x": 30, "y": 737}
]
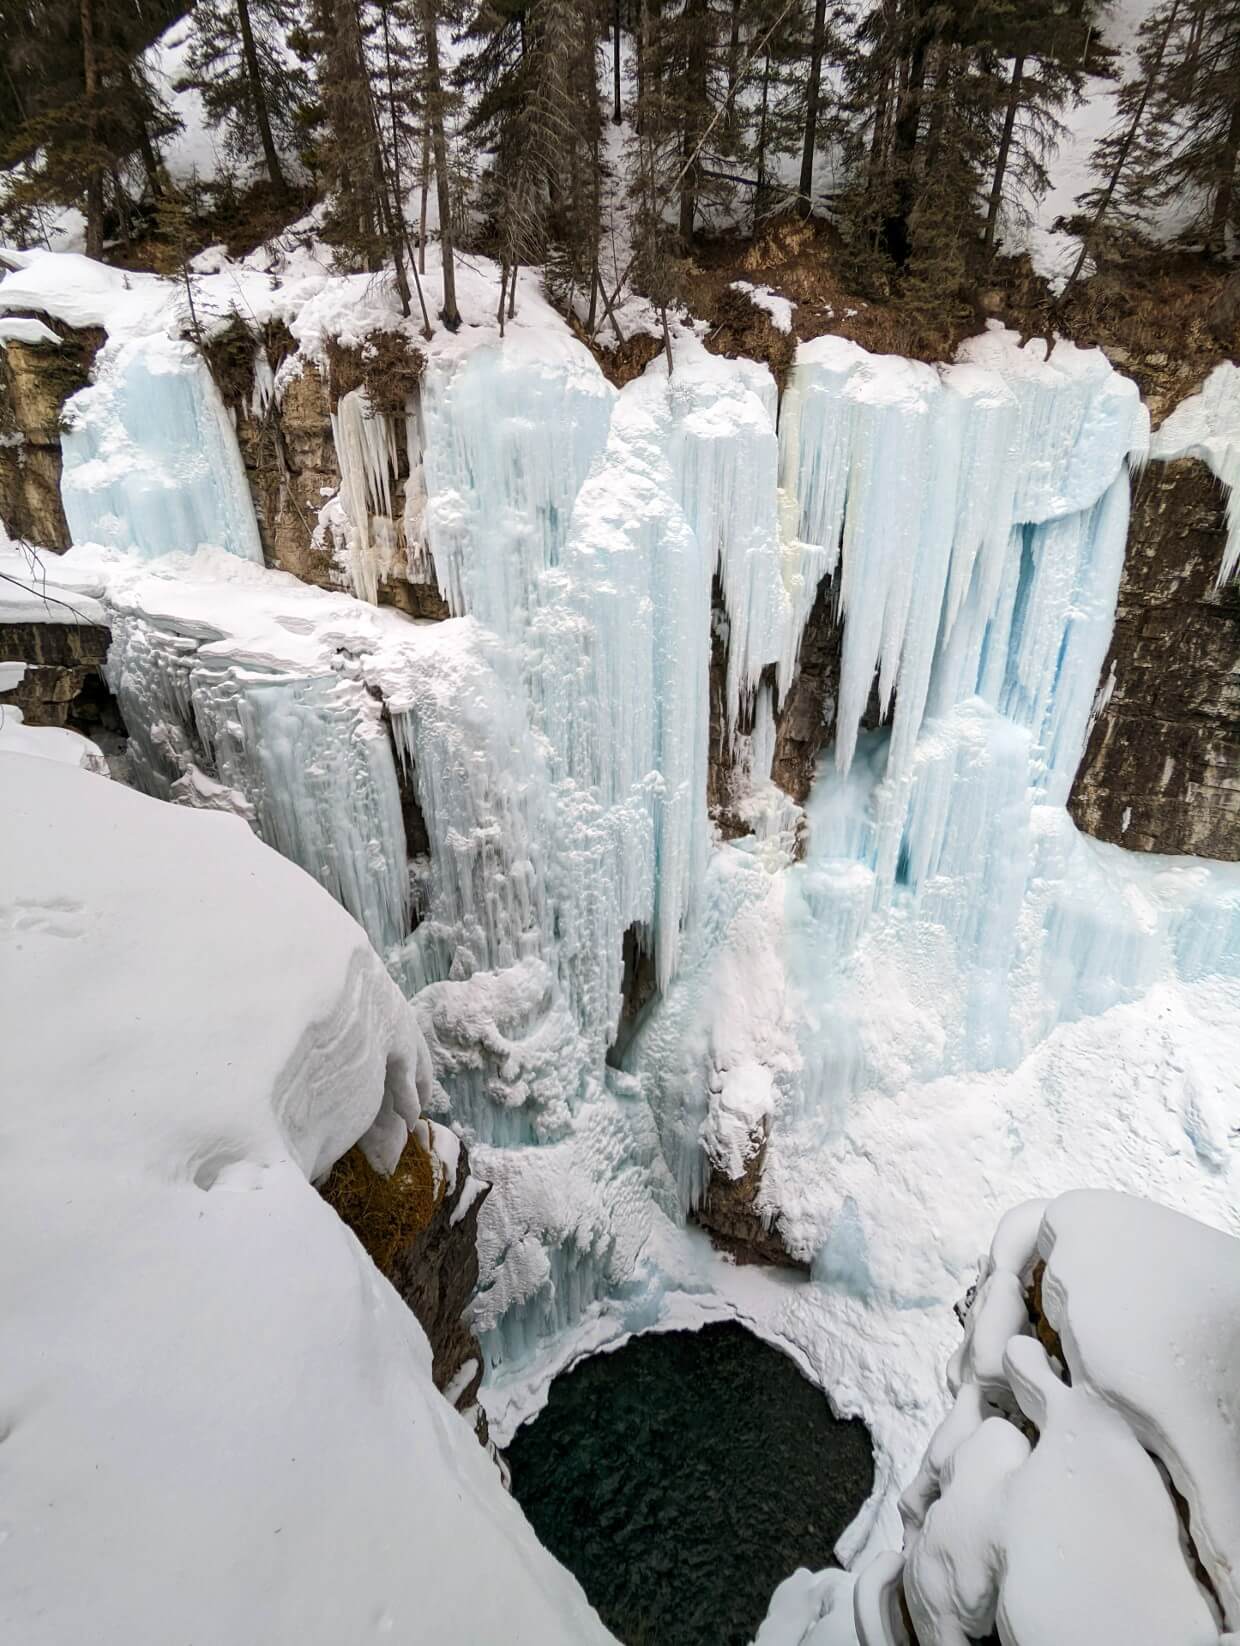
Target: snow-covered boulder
[
  {"x": 217, "y": 1420},
  {"x": 1084, "y": 1489}
]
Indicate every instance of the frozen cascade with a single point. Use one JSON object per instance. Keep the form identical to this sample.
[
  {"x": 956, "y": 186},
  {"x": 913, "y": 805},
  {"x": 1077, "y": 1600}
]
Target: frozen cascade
[
  {"x": 509, "y": 436},
  {"x": 947, "y": 916},
  {"x": 365, "y": 445},
  {"x": 150, "y": 458},
  {"x": 306, "y": 759}
]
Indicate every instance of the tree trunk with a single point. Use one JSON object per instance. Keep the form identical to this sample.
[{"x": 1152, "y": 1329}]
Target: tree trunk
[
  {"x": 695, "y": 114},
  {"x": 258, "y": 96},
  {"x": 615, "y": 67},
  {"x": 1220, "y": 217},
  {"x": 760, "y": 190},
  {"x": 94, "y": 171},
  {"x": 450, "y": 314},
  {"x": 734, "y": 62},
  {"x": 813, "y": 94},
  {"x": 150, "y": 160},
  {"x": 1005, "y": 148},
  {"x": 904, "y": 136},
  {"x": 426, "y": 189}
]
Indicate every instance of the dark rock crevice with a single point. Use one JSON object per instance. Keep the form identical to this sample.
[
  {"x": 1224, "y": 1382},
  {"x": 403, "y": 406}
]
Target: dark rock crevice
[{"x": 64, "y": 682}]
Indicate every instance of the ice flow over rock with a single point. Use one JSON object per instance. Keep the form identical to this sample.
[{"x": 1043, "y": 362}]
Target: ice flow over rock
[{"x": 947, "y": 918}]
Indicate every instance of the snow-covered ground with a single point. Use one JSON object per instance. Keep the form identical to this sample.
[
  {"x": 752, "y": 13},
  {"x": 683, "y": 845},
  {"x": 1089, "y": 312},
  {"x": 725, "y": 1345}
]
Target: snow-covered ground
[{"x": 218, "y": 1418}]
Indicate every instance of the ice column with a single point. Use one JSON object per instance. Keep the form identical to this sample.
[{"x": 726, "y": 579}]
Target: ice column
[
  {"x": 365, "y": 445},
  {"x": 150, "y": 457}
]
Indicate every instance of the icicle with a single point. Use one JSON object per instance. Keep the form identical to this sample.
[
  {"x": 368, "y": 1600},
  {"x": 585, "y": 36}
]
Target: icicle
[
  {"x": 309, "y": 757},
  {"x": 366, "y": 452}
]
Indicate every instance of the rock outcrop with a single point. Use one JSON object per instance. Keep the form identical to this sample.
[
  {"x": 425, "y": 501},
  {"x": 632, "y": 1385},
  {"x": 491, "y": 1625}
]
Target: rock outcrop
[
  {"x": 63, "y": 683},
  {"x": 420, "y": 1226},
  {"x": 1161, "y": 772},
  {"x": 35, "y": 382},
  {"x": 730, "y": 1215},
  {"x": 284, "y": 422}
]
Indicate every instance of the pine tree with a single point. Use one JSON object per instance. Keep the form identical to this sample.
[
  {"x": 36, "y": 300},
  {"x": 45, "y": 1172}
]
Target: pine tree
[
  {"x": 1187, "y": 144},
  {"x": 249, "y": 85},
  {"x": 1112, "y": 156},
  {"x": 538, "y": 110},
  {"x": 86, "y": 109}
]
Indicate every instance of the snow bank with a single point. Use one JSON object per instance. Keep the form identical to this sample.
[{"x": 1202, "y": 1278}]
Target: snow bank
[{"x": 219, "y": 1419}]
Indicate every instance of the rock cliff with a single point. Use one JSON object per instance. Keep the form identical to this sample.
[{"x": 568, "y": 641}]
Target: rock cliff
[{"x": 1161, "y": 771}]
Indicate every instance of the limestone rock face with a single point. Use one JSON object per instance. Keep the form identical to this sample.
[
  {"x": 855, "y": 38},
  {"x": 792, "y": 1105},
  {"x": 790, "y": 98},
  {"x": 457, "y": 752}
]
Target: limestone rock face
[
  {"x": 289, "y": 453},
  {"x": 63, "y": 684},
  {"x": 1161, "y": 772},
  {"x": 291, "y": 464},
  {"x": 35, "y": 382},
  {"x": 422, "y": 1231}
]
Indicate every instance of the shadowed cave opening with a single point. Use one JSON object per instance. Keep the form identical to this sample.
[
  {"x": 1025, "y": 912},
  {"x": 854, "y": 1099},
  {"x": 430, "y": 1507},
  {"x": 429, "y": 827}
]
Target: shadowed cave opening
[{"x": 684, "y": 1476}]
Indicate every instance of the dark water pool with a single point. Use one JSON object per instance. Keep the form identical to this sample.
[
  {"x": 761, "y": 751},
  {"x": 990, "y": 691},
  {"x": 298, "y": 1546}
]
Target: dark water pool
[{"x": 683, "y": 1477}]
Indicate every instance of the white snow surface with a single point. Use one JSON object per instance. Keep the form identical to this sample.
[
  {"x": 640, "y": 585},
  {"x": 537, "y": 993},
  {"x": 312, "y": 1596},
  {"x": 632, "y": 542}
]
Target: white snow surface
[
  {"x": 1073, "y": 1537},
  {"x": 219, "y": 1421}
]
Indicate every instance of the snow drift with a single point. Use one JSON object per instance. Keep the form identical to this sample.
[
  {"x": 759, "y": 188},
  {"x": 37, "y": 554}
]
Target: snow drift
[{"x": 218, "y": 1419}]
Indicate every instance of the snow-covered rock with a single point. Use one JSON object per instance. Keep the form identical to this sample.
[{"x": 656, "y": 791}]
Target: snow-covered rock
[
  {"x": 1082, "y": 1489},
  {"x": 218, "y": 1421}
]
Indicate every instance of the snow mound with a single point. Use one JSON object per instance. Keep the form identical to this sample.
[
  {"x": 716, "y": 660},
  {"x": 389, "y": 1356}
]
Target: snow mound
[
  {"x": 1082, "y": 1488},
  {"x": 218, "y": 1418}
]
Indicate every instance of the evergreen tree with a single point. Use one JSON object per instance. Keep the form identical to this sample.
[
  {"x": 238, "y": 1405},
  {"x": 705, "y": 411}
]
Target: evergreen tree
[
  {"x": 1187, "y": 144},
  {"x": 538, "y": 110},
  {"x": 249, "y": 85},
  {"x": 85, "y": 110}
]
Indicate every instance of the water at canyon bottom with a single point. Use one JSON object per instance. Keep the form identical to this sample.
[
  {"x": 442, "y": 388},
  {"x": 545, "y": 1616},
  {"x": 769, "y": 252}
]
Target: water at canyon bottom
[{"x": 686, "y": 1475}]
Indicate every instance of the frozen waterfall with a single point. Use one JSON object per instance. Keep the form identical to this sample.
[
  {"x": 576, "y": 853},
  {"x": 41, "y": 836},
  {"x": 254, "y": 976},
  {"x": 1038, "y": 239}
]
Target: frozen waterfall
[
  {"x": 946, "y": 921},
  {"x": 150, "y": 458}
]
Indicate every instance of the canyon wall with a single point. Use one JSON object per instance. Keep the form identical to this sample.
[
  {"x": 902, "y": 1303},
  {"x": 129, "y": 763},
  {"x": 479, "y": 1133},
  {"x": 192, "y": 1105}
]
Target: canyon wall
[{"x": 1161, "y": 771}]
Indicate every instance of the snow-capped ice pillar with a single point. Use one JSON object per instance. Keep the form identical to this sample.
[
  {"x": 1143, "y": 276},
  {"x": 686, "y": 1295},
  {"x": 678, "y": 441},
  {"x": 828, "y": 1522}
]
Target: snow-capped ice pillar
[{"x": 151, "y": 461}]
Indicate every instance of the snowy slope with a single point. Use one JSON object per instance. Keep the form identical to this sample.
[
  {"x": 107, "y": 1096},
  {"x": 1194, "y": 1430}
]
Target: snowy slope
[{"x": 219, "y": 1421}]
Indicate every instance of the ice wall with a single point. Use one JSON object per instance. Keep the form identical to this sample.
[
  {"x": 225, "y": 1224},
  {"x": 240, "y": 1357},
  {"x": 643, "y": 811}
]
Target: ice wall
[
  {"x": 151, "y": 462},
  {"x": 948, "y": 917},
  {"x": 946, "y": 920},
  {"x": 303, "y": 757}
]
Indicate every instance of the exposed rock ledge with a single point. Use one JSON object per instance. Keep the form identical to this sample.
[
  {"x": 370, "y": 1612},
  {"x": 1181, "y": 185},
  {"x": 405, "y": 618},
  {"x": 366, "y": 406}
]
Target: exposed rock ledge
[
  {"x": 1161, "y": 772},
  {"x": 420, "y": 1226}
]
